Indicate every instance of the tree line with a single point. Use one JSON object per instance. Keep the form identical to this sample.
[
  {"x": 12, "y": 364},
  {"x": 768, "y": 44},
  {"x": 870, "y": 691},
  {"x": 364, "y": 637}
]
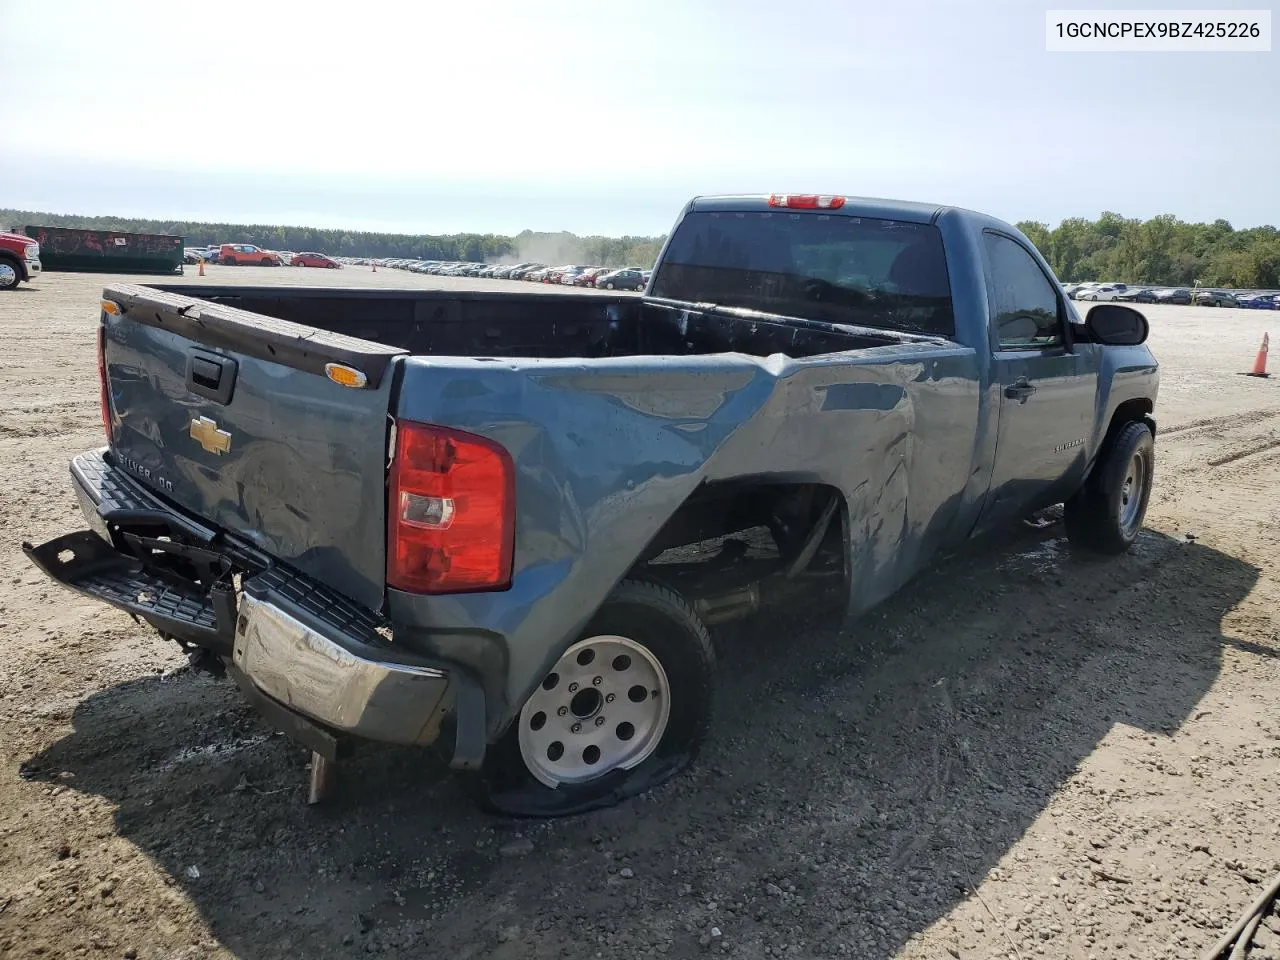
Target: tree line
[
  {"x": 1163, "y": 250},
  {"x": 469, "y": 247}
]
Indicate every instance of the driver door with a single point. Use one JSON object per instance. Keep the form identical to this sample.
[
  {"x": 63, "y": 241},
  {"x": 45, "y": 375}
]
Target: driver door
[{"x": 1046, "y": 383}]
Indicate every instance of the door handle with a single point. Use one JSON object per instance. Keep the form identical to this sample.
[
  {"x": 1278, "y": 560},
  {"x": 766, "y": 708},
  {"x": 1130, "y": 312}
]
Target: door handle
[{"x": 1019, "y": 390}]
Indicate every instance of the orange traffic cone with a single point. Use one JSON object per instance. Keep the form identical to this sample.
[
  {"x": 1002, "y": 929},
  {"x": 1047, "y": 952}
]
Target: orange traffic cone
[
  {"x": 201, "y": 266},
  {"x": 1260, "y": 362}
]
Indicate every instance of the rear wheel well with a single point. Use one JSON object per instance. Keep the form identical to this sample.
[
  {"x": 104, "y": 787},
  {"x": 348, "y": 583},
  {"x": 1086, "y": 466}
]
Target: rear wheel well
[{"x": 736, "y": 545}]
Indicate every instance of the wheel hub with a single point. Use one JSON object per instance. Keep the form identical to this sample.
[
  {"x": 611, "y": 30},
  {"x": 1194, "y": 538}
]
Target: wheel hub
[
  {"x": 603, "y": 707},
  {"x": 1131, "y": 491}
]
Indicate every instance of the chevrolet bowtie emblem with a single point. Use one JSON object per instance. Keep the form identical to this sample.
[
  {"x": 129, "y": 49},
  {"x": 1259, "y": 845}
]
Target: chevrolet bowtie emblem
[{"x": 206, "y": 433}]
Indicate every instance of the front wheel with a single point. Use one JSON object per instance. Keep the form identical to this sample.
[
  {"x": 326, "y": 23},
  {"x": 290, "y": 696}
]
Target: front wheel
[
  {"x": 229, "y": 261},
  {"x": 623, "y": 710},
  {"x": 10, "y": 276},
  {"x": 1107, "y": 513}
]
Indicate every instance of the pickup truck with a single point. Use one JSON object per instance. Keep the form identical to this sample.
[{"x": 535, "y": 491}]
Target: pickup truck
[
  {"x": 501, "y": 523},
  {"x": 19, "y": 259}
]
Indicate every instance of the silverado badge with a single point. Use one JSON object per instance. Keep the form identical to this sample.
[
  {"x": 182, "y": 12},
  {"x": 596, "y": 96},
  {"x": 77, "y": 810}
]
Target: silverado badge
[{"x": 206, "y": 433}]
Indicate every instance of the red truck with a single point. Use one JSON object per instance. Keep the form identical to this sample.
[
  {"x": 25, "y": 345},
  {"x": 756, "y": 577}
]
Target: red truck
[{"x": 19, "y": 259}]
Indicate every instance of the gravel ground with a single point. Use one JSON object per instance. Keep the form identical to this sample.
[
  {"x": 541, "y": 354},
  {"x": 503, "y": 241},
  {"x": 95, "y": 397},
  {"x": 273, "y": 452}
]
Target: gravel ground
[{"x": 1025, "y": 753}]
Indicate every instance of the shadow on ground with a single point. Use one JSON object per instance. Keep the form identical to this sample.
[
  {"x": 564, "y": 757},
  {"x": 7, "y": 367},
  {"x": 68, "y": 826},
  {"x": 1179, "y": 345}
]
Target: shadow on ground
[{"x": 856, "y": 783}]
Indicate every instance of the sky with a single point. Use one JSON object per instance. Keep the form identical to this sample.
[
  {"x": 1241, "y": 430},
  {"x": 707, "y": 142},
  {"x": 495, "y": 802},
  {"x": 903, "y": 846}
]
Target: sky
[{"x": 604, "y": 118}]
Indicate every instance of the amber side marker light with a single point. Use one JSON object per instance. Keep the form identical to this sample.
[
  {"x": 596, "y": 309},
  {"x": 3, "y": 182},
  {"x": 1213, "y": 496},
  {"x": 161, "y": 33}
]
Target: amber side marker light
[
  {"x": 111, "y": 307},
  {"x": 340, "y": 373}
]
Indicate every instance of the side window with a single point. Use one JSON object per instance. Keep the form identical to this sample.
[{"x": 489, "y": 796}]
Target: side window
[{"x": 1026, "y": 303}]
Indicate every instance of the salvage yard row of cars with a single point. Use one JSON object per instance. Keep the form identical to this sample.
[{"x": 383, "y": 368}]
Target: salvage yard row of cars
[
  {"x": 572, "y": 275},
  {"x": 635, "y": 278},
  {"x": 1201, "y": 296},
  {"x": 250, "y": 255}
]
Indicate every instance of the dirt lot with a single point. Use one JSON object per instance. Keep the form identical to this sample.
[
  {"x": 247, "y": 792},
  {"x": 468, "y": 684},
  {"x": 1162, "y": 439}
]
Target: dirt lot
[{"x": 1024, "y": 754}]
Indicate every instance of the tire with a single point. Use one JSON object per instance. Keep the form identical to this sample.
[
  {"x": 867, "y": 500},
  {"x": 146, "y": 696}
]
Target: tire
[
  {"x": 229, "y": 261},
  {"x": 1103, "y": 516},
  {"x": 10, "y": 274},
  {"x": 609, "y": 285},
  {"x": 661, "y": 628}
]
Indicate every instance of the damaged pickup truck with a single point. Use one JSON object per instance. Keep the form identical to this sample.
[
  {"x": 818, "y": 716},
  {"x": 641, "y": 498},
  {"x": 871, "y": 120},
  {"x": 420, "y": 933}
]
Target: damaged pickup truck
[{"x": 501, "y": 523}]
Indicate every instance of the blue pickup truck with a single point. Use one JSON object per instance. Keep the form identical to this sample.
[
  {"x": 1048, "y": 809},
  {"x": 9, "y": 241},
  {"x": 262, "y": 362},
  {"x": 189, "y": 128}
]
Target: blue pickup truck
[{"x": 502, "y": 523}]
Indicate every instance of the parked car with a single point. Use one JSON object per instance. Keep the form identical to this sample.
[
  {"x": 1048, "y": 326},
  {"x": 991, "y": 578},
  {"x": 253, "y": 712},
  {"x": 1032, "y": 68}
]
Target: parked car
[
  {"x": 1260, "y": 301},
  {"x": 1179, "y": 296},
  {"x": 246, "y": 254},
  {"x": 627, "y": 279},
  {"x": 569, "y": 275},
  {"x": 587, "y": 277},
  {"x": 1102, "y": 292},
  {"x": 539, "y": 275},
  {"x": 1214, "y": 298},
  {"x": 19, "y": 260},
  {"x": 314, "y": 260},
  {"x": 523, "y": 552},
  {"x": 1136, "y": 295}
]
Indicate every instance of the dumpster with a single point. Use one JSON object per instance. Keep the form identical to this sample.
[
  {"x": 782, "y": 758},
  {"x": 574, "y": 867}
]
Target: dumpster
[{"x": 110, "y": 251}]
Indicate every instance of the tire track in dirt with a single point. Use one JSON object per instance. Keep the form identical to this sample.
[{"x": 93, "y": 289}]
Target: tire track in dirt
[
  {"x": 1248, "y": 452},
  {"x": 1209, "y": 424}
]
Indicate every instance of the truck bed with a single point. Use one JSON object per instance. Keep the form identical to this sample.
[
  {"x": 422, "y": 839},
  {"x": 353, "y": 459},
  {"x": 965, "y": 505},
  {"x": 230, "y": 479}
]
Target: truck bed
[{"x": 518, "y": 324}]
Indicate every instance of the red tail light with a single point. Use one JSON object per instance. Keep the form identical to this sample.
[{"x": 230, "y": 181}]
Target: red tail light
[
  {"x": 451, "y": 512},
  {"x": 805, "y": 201},
  {"x": 104, "y": 391}
]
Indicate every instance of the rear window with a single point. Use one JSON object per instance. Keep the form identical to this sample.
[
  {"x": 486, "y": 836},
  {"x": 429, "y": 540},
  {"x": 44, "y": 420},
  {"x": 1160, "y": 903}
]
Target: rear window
[{"x": 858, "y": 270}]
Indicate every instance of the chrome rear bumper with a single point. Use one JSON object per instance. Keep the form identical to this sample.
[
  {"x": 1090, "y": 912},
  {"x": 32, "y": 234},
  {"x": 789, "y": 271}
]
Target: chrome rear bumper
[{"x": 306, "y": 668}]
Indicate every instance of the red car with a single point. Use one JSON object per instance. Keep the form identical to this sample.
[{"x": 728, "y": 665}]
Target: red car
[{"x": 314, "y": 260}]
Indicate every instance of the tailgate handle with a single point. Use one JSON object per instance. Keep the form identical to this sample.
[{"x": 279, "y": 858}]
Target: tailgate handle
[{"x": 211, "y": 375}]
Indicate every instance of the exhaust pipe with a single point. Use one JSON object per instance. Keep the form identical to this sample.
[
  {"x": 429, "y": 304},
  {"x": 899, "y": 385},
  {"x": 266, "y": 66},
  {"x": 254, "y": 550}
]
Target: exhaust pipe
[{"x": 730, "y": 605}]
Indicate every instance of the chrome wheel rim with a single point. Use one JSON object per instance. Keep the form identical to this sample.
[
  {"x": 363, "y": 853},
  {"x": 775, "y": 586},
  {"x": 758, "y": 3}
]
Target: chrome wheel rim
[
  {"x": 1131, "y": 492},
  {"x": 603, "y": 707},
  {"x": 8, "y": 276}
]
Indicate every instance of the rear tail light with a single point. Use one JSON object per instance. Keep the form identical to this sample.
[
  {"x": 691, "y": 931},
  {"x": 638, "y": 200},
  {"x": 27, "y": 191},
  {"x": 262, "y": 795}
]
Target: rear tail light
[
  {"x": 805, "y": 201},
  {"x": 104, "y": 391},
  {"x": 451, "y": 512}
]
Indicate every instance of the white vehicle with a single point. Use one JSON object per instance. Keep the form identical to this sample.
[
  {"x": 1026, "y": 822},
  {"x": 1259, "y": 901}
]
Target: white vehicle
[{"x": 1106, "y": 291}]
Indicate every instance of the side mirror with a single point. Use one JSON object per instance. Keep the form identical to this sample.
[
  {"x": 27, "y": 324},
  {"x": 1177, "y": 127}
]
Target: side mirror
[{"x": 1116, "y": 325}]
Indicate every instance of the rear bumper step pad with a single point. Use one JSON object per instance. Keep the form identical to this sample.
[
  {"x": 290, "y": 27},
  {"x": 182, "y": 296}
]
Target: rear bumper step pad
[{"x": 86, "y": 563}]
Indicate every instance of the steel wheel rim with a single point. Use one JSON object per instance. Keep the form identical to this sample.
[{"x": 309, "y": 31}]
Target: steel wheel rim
[
  {"x": 1131, "y": 492},
  {"x": 8, "y": 276},
  {"x": 619, "y": 701}
]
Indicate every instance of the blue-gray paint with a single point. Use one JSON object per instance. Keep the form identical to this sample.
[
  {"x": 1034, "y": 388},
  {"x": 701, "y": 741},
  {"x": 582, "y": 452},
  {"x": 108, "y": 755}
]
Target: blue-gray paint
[{"x": 303, "y": 479}]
